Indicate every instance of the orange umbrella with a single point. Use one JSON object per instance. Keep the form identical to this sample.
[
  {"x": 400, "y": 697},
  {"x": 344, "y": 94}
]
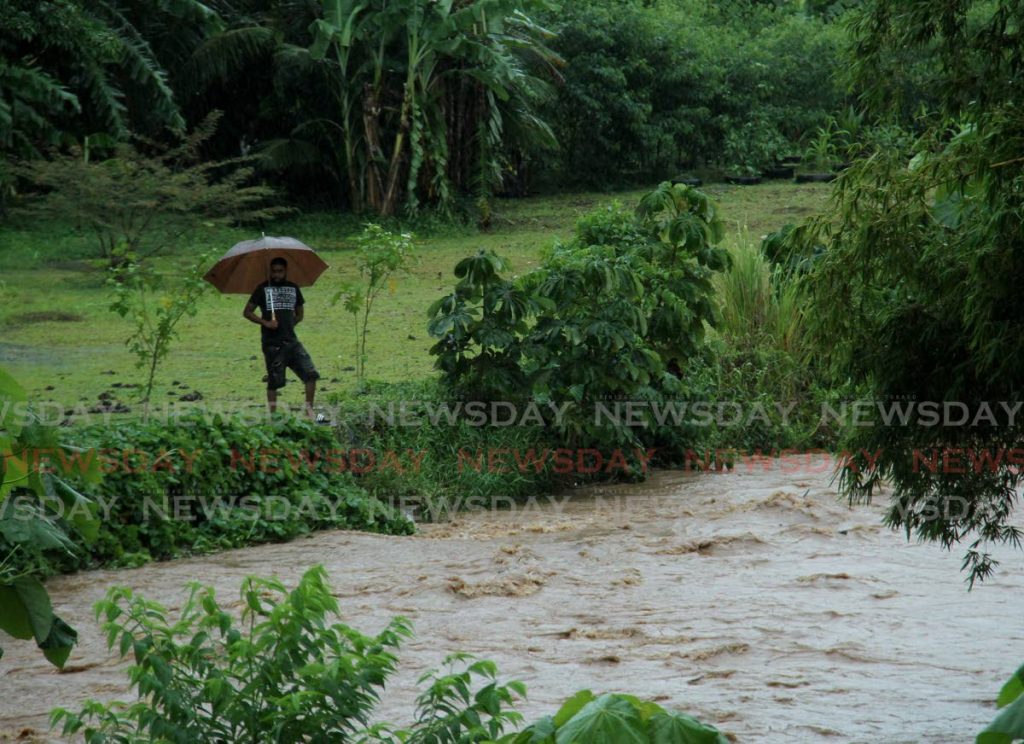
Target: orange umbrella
[{"x": 247, "y": 264}]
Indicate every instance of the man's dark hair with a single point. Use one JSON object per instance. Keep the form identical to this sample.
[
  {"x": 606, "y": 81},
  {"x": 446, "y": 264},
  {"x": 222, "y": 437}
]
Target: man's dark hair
[{"x": 278, "y": 261}]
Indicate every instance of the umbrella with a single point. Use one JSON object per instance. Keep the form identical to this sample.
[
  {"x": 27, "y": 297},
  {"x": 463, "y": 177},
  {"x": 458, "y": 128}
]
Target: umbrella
[{"x": 247, "y": 264}]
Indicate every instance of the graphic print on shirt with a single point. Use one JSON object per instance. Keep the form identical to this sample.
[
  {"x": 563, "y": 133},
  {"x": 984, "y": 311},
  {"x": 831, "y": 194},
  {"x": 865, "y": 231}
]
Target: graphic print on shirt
[{"x": 279, "y": 298}]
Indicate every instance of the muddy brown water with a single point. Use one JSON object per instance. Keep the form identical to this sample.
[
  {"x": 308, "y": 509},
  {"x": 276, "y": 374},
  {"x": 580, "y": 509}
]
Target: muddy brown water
[{"x": 757, "y": 601}]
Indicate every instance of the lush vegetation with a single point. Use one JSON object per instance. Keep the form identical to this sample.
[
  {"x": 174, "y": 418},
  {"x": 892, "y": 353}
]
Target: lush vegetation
[
  {"x": 395, "y": 107},
  {"x": 615, "y": 313},
  {"x": 142, "y": 133},
  {"x": 199, "y": 484},
  {"x": 656, "y": 88},
  {"x": 933, "y": 230},
  {"x": 34, "y": 525}
]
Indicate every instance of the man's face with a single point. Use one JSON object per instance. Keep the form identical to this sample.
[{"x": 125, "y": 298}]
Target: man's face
[{"x": 277, "y": 273}]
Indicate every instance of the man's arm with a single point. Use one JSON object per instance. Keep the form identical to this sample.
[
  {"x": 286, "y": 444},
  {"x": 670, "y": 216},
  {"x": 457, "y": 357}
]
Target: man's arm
[
  {"x": 299, "y": 313},
  {"x": 250, "y": 314}
]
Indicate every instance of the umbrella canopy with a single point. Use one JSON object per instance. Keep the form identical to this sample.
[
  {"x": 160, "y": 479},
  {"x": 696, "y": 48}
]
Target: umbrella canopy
[{"x": 247, "y": 264}]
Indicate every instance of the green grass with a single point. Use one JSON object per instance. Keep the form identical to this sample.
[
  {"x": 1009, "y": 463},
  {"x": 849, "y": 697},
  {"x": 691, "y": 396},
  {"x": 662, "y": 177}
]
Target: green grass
[{"x": 218, "y": 353}]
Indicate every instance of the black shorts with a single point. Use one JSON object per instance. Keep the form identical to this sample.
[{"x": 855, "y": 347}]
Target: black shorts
[{"x": 290, "y": 354}]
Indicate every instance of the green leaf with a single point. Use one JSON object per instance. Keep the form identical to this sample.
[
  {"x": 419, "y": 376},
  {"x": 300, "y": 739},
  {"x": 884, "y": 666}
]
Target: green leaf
[
  {"x": 678, "y": 728},
  {"x": 31, "y": 596},
  {"x": 15, "y": 472},
  {"x": 540, "y": 732},
  {"x": 14, "y": 617},
  {"x": 26, "y": 612},
  {"x": 572, "y": 706},
  {"x": 1007, "y": 727},
  {"x": 23, "y": 527},
  {"x": 323, "y": 33},
  {"x": 79, "y": 511},
  {"x": 607, "y": 720},
  {"x": 1012, "y": 689},
  {"x": 58, "y": 644}
]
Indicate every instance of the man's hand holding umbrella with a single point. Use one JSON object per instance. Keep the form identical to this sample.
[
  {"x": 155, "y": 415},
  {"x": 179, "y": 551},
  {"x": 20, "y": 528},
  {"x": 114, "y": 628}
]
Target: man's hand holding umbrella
[{"x": 271, "y": 271}]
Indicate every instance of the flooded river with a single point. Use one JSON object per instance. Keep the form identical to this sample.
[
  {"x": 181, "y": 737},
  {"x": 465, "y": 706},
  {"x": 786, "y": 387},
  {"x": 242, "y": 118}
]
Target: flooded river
[{"x": 755, "y": 600}]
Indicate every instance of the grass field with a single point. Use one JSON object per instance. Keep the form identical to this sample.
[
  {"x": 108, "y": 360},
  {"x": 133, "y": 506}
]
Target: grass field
[{"x": 65, "y": 346}]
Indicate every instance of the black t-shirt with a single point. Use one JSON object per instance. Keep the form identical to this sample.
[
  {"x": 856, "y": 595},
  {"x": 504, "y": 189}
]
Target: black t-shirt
[{"x": 283, "y": 299}]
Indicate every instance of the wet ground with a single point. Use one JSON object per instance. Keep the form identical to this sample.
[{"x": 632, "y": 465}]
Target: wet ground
[{"x": 755, "y": 600}]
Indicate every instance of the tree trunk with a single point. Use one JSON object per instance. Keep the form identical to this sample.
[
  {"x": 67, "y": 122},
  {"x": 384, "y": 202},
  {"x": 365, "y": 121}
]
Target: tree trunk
[
  {"x": 371, "y": 128},
  {"x": 395, "y": 168},
  {"x": 355, "y": 195}
]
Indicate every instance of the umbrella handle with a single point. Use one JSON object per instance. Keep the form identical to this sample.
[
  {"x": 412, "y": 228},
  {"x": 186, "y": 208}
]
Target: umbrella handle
[{"x": 266, "y": 254}]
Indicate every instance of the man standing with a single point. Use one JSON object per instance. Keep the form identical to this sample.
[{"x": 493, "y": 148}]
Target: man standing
[{"x": 281, "y": 304}]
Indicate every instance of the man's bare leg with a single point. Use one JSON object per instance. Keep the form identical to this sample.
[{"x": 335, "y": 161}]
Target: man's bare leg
[
  {"x": 272, "y": 400},
  {"x": 310, "y": 395}
]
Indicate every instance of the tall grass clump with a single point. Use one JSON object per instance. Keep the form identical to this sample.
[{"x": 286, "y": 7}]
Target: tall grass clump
[
  {"x": 761, "y": 304},
  {"x": 763, "y": 355}
]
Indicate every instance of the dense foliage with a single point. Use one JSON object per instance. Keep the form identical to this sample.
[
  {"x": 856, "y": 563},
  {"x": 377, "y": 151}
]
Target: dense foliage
[
  {"x": 614, "y": 314},
  {"x": 71, "y": 69},
  {"x": 390, "y": 107},
  {"x": 651, "y": 89},
  {"x": 204, "y": 483},
  {"x": 916, "y": 293},
  {"x": 1008, "y": 725}
]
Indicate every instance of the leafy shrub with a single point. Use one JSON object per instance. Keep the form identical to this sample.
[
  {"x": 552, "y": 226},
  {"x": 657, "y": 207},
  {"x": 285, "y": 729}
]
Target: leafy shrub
[
  {"x": 586, "y": 718},
  {"x": 751, "y": 146},
  {"x": 381, "y": 254},
  {"x": 286, "y": 673},
  {"x": 282, "y": 674},
  {"x": 613, "y": 314},
  {"x": 155, "y": 307},
  {"x": 480, "y": 326}
]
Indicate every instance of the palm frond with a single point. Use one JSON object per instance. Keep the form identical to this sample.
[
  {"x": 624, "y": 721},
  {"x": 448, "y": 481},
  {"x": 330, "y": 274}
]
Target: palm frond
[
  {"x": 229, "y": 53},
  {"x": 143, "y": 69}
]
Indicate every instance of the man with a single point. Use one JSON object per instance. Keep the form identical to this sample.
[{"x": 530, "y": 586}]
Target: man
[{"x": 281, "y": 304}]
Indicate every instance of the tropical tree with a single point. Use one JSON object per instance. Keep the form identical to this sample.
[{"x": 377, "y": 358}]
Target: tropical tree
[
  {"x": 77, "y": 68},
  {"x": 137, "y": 204},
  {"x": 413, "y": 78},
  {"x": 917, "y": 293},
  {"x": 277, "y": 101}
]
